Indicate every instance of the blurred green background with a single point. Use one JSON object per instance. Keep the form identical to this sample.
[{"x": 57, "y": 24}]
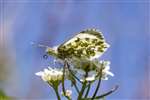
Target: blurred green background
[{"x": 124, "y": 23}]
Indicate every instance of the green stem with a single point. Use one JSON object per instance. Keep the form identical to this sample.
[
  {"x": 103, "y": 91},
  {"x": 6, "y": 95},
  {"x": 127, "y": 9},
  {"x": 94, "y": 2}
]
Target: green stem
[
  {"x": 57, "y": 94},
  {"x": 76, "y": 87},
  {"x": 63, "y": 81},
  {"x": 83, "y": 88},
  {"x": 73, "y": 74},
  {"x": 98, "y": 85},
  {"x": 105, "y": 94},
  {"x": 108, "y": 93},
  {"x": 88, "y": 89}
]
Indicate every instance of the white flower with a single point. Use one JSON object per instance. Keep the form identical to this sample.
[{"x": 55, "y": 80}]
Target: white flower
[
  {"x": 68, "y": 93},
  {"x": 100, "y": 65},
  {"x": 89, "y": 78},
  {"x": 50, "y": 74},
  {"x": 105, "y": 66},
  {"x": 93, "y": 67}
]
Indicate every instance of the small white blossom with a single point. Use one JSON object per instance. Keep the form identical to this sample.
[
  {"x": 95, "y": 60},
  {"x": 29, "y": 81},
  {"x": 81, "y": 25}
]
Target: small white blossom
[
  {"x": 68, "y": 93},
  {"x": 105, "y": 66},
  {"x": 50, "y": 74},
  {"x": 89, "y": 78}
]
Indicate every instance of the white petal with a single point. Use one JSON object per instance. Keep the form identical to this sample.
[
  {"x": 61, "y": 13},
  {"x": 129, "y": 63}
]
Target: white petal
[
  {"x": 82, "y": 80},
  {"x": 46, "y": 78},
  {"x": 92, "y": 78},
  {"x": 110, "y": 73},
  {"x": 46, "y": 71},
  {"x": 105, "y": 78},
  {"x": 39, "y": 73},
  {"x": 107, "y": 68}
]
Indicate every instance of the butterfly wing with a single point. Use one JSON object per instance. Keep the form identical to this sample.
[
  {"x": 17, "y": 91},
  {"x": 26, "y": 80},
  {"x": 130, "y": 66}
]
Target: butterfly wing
[{"x": 88, "y": 43}]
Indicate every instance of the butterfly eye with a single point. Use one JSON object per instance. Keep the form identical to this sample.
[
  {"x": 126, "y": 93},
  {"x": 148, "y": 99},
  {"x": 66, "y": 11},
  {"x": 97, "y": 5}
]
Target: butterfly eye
[{"x": 45, "y": 56}]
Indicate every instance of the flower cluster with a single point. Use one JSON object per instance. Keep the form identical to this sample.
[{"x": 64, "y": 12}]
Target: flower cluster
[
  {"x": 79, "y": 57},
  {"x": 50, "y": 75},
  {"x": 98, "y": 66}
]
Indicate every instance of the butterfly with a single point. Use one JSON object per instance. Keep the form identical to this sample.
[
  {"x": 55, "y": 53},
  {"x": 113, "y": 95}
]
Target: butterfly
[{"x": 89, "y": 43}]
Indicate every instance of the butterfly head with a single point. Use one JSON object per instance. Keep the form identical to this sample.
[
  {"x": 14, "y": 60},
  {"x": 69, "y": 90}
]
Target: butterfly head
[{"x": 52, "y": 51}]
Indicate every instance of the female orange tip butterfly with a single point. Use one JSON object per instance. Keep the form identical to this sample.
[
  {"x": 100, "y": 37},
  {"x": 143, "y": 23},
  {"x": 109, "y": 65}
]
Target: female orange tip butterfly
[{"x": 89, "y": 43}]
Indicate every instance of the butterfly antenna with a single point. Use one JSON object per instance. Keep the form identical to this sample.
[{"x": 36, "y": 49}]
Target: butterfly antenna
[
  {"x": 49, "y": 50},
  {"x": 39, "y": 45}
]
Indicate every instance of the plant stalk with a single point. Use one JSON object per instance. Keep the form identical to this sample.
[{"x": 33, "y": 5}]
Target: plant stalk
[
  {"x": 63, "y": 81},
  {"x": 105, "y": 94},
  {"x": 83, "y": 88},
  {"x": 88, "y": 89},
  {"x": 98, "y": 85},
  {"x": 57, "y": 93}
]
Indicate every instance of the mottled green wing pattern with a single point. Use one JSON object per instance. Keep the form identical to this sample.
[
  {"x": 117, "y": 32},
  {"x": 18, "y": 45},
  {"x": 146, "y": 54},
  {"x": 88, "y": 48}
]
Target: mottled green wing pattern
[{"x": 88, "y": 43}]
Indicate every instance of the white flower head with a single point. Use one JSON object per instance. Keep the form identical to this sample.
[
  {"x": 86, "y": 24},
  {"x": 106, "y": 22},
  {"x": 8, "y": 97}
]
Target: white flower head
[
  {"x": 93, "y": 67},
  {"x": 51, "y": 74}
]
